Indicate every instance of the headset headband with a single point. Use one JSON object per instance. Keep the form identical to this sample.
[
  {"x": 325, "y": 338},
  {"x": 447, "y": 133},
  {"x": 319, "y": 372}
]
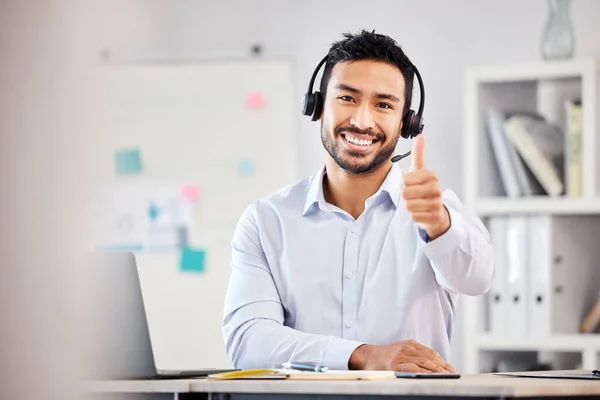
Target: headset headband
[{"x": 415, "y": 70}]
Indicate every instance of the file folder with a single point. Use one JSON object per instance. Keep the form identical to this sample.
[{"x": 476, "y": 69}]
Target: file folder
[
  {"x": 541, "y": 263},
  {"x": 517, "y": 280},
  {"x": 563, "y": 263},
  {"x": 498, "y": 295}
]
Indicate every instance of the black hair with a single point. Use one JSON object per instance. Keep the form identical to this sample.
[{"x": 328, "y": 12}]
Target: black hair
[{"x": 367, "y": 45}]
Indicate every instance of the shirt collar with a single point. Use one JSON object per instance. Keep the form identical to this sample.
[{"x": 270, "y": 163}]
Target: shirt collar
[
  {"x": 392, "y": 186},
  {"x": 315, "y": 192}
]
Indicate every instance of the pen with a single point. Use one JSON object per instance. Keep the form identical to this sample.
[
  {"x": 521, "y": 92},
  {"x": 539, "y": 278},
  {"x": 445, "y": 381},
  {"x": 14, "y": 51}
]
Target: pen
[{"x": 305, "y": 366}]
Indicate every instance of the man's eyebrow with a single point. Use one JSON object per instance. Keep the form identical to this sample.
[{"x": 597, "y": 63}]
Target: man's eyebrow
[
  {"x": 347, "y": 88},
  {"x": 383, "y": 96},
  {"x": 386, "y": 96}
]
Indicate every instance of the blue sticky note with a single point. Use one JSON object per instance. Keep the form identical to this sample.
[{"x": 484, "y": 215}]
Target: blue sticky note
[
  {"x": 128, "y": 161},
  {"x": 153, "y": 212},
  {"x": 192, "y": 260},
  {"x": 246, "y": 167}
]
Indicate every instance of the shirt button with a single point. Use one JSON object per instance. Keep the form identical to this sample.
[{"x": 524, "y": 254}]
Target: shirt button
[
  {"x": 349, "y": 274},
  {"x": 349, "y": 324},
  {"x": 351, "y": 230}
]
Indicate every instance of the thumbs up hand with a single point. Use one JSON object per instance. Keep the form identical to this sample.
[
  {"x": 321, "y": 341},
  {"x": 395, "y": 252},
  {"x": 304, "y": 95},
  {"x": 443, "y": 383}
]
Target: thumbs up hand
[{"x": 423, "y": 196}]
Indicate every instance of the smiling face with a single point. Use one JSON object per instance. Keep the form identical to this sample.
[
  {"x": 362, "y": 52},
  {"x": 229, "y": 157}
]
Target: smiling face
[{"x": 362, "y": 114}]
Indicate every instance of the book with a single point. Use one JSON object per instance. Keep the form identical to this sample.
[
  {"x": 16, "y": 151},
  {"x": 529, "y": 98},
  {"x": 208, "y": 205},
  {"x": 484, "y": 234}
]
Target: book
[
  {"x": 540, "y": 145},
  {"x": 574, "y": 148},
  {"x": 510, "y": 166},
  {"x": 291, "y": 374}
]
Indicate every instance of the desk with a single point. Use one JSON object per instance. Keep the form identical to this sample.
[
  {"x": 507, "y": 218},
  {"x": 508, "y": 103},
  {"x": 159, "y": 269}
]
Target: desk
[{"x": 481, "y": 386}]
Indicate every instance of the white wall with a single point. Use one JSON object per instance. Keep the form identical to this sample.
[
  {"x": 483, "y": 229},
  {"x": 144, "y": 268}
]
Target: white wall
[{"x": 442, "y": 38}]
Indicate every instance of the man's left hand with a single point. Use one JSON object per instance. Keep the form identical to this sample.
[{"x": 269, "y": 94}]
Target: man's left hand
[{"x": 423, "y": 196}]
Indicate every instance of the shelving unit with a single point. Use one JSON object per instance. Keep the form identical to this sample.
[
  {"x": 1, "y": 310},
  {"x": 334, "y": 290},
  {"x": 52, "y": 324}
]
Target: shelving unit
[
  {"x": 540, "y": 87},
  {"x": 487, "y": 206},
  {"x": 556, "y": 342}
]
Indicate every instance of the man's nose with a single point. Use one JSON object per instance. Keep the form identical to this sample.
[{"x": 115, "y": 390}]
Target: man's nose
[{"x": 363, "y": 117}]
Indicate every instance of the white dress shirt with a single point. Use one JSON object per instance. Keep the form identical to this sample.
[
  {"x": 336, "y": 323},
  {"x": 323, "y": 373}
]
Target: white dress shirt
[{"x": 310, "y": 283}]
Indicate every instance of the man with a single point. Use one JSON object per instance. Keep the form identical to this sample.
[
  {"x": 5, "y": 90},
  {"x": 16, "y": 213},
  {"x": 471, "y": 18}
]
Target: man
[{"x": 360, "y": 265}]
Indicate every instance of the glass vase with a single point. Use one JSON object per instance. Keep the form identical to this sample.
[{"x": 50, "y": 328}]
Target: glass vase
[{"x": 558, "y": 38}]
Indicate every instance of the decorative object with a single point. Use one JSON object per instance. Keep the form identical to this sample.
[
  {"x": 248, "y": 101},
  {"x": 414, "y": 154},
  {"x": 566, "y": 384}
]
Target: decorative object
[{"x": 558, "y": 38}]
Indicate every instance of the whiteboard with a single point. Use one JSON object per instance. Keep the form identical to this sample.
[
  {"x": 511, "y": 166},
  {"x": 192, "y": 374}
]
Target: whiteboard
[{"x": 196, "y": 123}]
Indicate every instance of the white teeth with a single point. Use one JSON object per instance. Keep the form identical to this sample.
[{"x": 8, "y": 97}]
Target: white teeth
[{"x": 359, "y": 142}]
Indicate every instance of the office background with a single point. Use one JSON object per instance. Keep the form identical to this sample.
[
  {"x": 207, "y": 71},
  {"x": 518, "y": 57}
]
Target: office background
[{"x": 48, "y": 105}]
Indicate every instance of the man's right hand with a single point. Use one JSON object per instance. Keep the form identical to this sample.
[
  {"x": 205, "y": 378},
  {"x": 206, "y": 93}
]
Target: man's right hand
[{"x": 403, "y": 356}]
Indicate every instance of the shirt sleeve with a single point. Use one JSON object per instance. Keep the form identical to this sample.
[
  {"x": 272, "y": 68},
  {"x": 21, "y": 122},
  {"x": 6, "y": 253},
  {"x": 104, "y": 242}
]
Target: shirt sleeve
[
  {"x": 253, "y": 319},
  {"x": 462, "y": 258}
]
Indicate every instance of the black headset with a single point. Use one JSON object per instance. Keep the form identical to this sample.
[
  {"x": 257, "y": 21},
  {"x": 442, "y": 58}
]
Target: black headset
[{"x": 312, "y": 105}]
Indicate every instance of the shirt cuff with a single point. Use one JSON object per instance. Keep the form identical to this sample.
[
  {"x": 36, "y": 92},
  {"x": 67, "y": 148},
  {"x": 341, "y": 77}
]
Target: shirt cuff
[
  {"x": 450, "y": 239},
  {"x": 338, "y": 353}
]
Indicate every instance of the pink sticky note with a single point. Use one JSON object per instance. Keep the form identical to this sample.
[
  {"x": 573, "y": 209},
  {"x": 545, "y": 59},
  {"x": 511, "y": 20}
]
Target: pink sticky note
[
  {"x": 191, "y": 192},
  {"x": 256, "y": 100}
]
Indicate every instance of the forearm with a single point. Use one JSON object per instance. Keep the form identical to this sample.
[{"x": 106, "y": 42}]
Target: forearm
[
  {"x": 462, "y": 257},
  {"x": 265, "y": 343}
]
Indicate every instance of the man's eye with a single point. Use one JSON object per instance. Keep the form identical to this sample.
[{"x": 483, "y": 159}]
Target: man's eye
[
  {"x": 346, "y": 98},
  {"x": 385, "y": 105}
]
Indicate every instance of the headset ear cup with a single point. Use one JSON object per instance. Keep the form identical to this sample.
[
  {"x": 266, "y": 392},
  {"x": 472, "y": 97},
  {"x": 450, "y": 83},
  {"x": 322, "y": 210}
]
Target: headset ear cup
[
  {"x": 308, "y": 104},
  {"x": 417, "y": 125},
  {"x": 407, "y": 124},
  {"x": 318, "y": 106}
]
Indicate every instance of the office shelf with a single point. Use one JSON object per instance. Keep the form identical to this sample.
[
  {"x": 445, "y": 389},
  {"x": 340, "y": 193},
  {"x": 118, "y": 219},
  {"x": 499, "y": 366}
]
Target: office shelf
[
  {"x": 532, "y": 87},
  {"x": 533, "y": 71},
  {"x": 557, "y": 342},
  {"x": 539, "y": 204},
  {"x": 542, "y": 88},
  {"x": 586, "y": 347}
]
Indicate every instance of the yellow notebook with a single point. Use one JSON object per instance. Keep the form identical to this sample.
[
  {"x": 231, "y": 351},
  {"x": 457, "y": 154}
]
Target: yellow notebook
[{"x": 291, "y": 374}]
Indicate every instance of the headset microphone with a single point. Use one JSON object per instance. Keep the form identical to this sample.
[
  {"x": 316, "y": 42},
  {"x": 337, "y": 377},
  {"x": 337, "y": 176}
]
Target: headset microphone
[
  {"x": 412, "y": 125},
  {"x": 400, "y": 156}
]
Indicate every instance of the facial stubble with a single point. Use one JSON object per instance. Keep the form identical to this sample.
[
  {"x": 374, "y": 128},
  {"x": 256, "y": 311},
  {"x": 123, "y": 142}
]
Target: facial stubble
[{"x": 350, "y": 161}]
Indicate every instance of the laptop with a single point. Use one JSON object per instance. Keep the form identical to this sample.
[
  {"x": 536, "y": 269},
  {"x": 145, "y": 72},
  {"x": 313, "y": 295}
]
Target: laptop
[{"x": 115, "y": 338}]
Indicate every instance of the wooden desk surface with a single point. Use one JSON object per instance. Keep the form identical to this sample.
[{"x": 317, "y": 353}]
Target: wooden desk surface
[
  {"x": 480, "y": 385},
  {"x": 483, "y": 385}
]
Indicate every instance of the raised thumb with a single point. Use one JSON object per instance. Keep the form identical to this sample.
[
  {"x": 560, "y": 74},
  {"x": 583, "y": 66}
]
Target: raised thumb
[{"x": 418, "y": 154}]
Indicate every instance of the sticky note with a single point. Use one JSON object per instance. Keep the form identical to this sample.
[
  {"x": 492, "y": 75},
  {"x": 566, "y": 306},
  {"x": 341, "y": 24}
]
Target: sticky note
[
  {"x": 256, "y": 100},
  {"x": 190, "y": 192},
  {"x": 192, "y": 260},
  {"x": 246, "y": 167},
  {"x": 153, "y": 212},
  {"x": 128, "y": 161}
]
